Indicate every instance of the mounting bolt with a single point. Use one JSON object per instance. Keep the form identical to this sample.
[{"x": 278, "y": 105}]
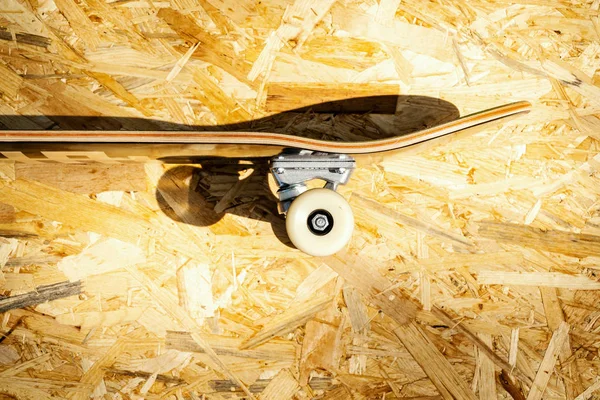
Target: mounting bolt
[
  {"x": 320, "y": 222},
  {"x": 279, "y": 171}
]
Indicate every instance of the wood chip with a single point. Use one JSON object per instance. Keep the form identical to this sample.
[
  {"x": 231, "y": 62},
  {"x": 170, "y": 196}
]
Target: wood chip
[
  {"x": 544, "y": 373},
  {"x": 296, "y": 315},
  {"x": 572, "y": 244},
  {"x": 283, "y": 385},
  {"x": 435, "y": 365},
  {"x": 542, "y": 279}
]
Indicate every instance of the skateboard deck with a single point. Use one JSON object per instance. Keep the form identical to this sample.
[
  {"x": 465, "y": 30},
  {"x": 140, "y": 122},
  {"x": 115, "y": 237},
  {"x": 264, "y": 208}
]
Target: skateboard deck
[{"x": 75, "y": 146}]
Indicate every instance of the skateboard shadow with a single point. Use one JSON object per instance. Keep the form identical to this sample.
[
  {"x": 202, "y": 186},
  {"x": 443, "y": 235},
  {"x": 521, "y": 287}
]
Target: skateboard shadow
[
  {"x": 355, "y": 119},
  {"x": 202, "y": 192}
]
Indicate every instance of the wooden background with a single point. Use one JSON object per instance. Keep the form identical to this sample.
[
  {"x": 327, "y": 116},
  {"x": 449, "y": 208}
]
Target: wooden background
[{"x": 472, "y": 272}]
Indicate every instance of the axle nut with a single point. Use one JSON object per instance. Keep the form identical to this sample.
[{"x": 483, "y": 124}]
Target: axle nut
[{"x": 320, "y": 222}]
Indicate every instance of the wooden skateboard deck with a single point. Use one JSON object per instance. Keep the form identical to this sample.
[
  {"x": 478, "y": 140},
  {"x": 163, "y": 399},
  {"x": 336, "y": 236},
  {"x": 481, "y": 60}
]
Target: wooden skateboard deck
[{"x": 75, "y": 146}]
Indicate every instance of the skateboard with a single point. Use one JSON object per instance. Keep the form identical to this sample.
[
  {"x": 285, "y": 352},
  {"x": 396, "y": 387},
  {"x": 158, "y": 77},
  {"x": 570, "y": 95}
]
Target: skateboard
[{"x": 319, "y": 221}]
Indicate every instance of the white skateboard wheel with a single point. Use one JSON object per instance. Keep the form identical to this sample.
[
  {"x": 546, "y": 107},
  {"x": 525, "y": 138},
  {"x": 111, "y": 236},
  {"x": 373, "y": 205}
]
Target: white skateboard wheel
[{"x": 319, "y": 222}]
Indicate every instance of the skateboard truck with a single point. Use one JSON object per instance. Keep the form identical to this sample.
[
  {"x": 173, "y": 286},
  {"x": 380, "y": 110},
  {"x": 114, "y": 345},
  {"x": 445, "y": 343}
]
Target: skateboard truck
[
  {"x": 318, "y": 221},
  {"x": 293, "y": 170}
]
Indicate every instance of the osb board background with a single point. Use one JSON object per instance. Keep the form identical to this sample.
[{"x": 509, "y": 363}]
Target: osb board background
[{"x": 472, "y": 272}]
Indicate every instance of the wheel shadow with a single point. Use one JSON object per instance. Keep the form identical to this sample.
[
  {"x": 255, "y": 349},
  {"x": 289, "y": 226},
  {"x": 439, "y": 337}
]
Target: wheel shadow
[
  {"x": 203, "y": 190},
  {"x": 203, "y": 193}
]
